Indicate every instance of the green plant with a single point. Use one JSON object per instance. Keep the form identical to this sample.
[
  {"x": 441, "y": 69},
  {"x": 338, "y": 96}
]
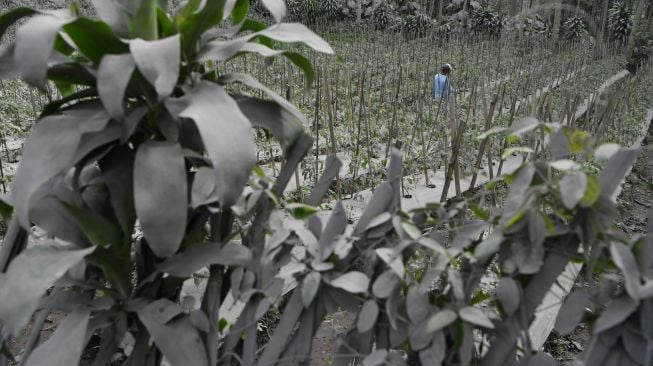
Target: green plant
[{"x": 415, "y": 26}]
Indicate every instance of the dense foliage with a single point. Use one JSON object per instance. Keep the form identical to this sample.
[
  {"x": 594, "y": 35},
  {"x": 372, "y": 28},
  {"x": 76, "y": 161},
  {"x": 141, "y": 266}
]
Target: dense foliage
[{"x": 143, "y": 174}]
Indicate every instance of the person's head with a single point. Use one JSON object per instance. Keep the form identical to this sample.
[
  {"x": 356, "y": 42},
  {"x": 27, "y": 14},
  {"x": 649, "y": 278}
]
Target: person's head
[{"x": 446, "y": 69}]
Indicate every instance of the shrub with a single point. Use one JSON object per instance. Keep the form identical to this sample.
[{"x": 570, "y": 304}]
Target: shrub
[
  {"x": 573, "y": 29},
  {"x": 620, "y": 22},
  {"x": 484, "y": 20},
  {"x": 415, "y": 26}
]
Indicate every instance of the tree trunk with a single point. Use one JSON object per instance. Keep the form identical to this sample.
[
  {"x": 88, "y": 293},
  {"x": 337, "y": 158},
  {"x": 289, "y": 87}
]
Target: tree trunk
[
  {"x": 640, "y": 9},
  {"x": 556, "y": 21},
  {"x": 604, "y": 19}
]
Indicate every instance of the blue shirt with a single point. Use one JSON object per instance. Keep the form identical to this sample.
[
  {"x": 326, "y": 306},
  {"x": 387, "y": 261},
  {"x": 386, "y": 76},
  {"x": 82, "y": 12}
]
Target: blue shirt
[{"x": 441, "y": 86}]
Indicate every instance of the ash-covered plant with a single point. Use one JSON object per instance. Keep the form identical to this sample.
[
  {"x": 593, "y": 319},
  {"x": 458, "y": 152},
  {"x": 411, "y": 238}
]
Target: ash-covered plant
[
  {"x": 485, "y": 20},
  {"x": 331, "y": 9},
  {"x": 306, "y": 11},
  {"x": 620, "y": 22},
  {"x": 416, "y": 26},
  {"x": 574, "y": 29},
  {"x": 134, "y": 173},
  {"x": 385, "y": 15}
]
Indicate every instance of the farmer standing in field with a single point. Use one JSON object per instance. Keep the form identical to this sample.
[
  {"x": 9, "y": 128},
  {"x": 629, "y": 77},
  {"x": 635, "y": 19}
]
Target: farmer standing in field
[{"x": 442, "y": 83}]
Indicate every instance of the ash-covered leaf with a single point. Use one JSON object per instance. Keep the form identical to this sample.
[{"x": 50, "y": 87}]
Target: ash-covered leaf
[
  {"x": 161, "y": 195},
  {"x": 352, "y": 282},
  {"x": 475, "y": 316},
  {"x": 572, "y": 310},
  {"x": 367, "y": 316},
  {"x": 509, "y": 295},
  {"x": 309, "y": 288},
  {"x": 440, "y": 320},
  {"x": 27, "y": 279},
  {"x": 65, "y": 346}
]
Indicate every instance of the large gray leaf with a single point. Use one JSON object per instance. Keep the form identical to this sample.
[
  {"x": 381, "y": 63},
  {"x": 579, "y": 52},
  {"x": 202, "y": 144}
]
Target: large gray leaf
[
  {"x": 385, "y": 284},
  {"x": 440, "y": 320},
  {"x": 509, "y": 295},
  {"x": 616, "y": 169},
  {"x": 475, "y": 316},
  {"x": 367, "y": 316},
  {"x": 517, "y": 192},
  {"x": 625, "y": 260},
  {"x": 27, "y": 279},
  {"x": 467, "y": 233},
  {"x": 178, "y": 339},
  {"x": 335, "y": 227},
  {"x": 309, "y": 288},
  {"x": 159, "y": 62},
  {"x": 199, "y": 256},
  {"x": 537, "y": 231},
  {"x": 33, "y": 47},
  {"x": 286, "y": 125},
  {"x": 418, "y": 306},
  {"x": 352, "y": 282},
  {"x": 616, "y": 312},
  {"x": 571, "y": 312},
  {"x": 572, "y": 188},
  {"x": 51, "y": 149},
  {"x": 161, "y": 195},
  {"x": 392, "y": 259},
  {"x": 227, "y": 136},
  {"x": 65, "y": 346},
  {"x": 114, "y": 74},
  {"x": 296, "y": 32},
  {"x": 331, "y": 169},
  {"x": 434, "y": 355}
]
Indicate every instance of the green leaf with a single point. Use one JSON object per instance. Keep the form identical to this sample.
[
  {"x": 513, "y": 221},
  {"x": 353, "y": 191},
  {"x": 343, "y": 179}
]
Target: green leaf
[
  {"x": 161, "y": 195},
  {"x": 193, "y": 22},
  {"x": 167, "y": 27},
  {"x": 27, "y": 279},
  {"x": 309, "y": 288},
  {"x": 94, "y": 39},
  {"x": 145, "y": 21},
  {"x": 240, "y": 11},
  {"x": 578, "y": 140},
  {"x": 413, "y": 231},
  {"x": 99, "y": 230},
  {"x": 515, "y": 219},
  {"x": 6, "y": 209},
  {"x": 592, "y": 192},
  {"x": 301, "y": 211}
]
